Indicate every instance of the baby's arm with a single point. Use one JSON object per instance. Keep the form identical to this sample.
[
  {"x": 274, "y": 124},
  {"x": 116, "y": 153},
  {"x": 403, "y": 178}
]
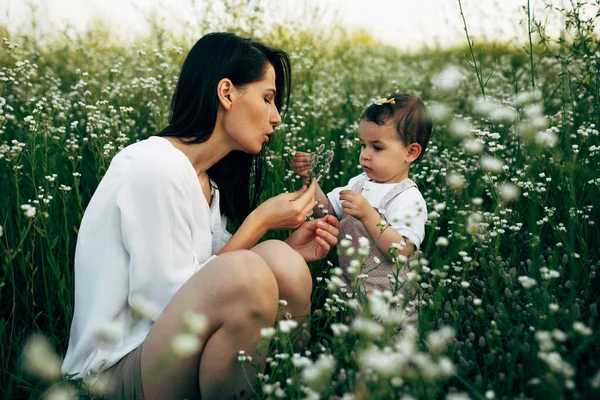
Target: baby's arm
[
  {"x": 323, "y": 203},
  {"x": 388, "y": 237},
  {"x": 301, "y": 167},
  {"x": 356, "y": 205}
]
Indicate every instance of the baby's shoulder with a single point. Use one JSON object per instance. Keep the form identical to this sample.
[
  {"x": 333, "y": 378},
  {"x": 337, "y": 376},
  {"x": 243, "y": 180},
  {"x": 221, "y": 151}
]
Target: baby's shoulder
[
  {"x": 357, "y": 180},
  {"x": 411, "y": 198}
]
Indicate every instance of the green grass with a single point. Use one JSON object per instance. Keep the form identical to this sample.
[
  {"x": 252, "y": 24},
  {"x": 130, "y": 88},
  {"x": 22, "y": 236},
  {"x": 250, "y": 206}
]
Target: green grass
[{"x": 69, "y": 105}]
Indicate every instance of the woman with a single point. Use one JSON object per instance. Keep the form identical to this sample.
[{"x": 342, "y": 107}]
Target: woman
[{"x": 154, "y": 233}]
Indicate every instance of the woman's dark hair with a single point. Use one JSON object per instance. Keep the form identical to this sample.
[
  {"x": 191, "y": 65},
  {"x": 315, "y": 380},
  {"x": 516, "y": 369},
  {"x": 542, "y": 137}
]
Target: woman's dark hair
[
  {"x": 194, "y": 107},
  {"x": 408, "y": 113}
]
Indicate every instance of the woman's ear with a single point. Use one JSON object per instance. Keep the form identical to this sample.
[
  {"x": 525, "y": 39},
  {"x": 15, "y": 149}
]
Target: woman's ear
[
  {"x": 413, "y": 151},
  {"x": 225, "y": 89}
]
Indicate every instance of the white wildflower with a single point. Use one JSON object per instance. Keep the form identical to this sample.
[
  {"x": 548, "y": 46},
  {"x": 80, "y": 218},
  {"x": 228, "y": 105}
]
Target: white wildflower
[
  {"x": 383, "y": 363},
  {"x": 439, "y": 340},
  {"x": 460, "y": 129},
  {"x": 141, "y": 308},
  {"x": 501, "y": 113},
  {"x": 334, "y": 283},
  {"x": 367, "y": 327},
  {"x": 455, "y": 181},
  {"x": 523, "y": 98},
  {"x": 580, "y": 328},
  {"x": 317, "y": 375},
  {"x": 39, "y": 358},
  {"x": 439, "y": 112},
  {"x": 596, "y": 381},
  {"x": 491, "y": 164},
  {"x": 345, "y": 243},
  {"x": 185, "y": 344},
  {"x": 268, "y": 332},
  {"x": 527, "y": 282},
  {"x": 557, "y": 364},
  {"x": 110, "y": 332},
  {"x": 508, "y": 192},
  {"x": 442, "y": 241},
  {"x": 396, "y": 381},
  {"x": 287, "y": 325},
  {"x": 447, "y": 367},
  {"x": 97, "y": 384},
  {"x": 559, "y": 335},
  {"x": 449, "y": 78},
  {"x": 29, "y": 210},
  {"x": 195, "y": 323},
  {"x": 490, "y": 395},
  {"x": 473, "y": 146},
  {"x": 339, "y": 329},
  {"x": 546, "y": 139},
  {"x": 474, "y": 222},
  {"x": 440, "y": 206},
  {"x": 61, "y": 392},
  {"x": 363, "y": 242}
]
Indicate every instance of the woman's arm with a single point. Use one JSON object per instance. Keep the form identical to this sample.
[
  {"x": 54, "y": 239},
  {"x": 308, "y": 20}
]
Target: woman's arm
[
  {"x": 156, "y": 223},
  {"x": 285, "y": 211}
]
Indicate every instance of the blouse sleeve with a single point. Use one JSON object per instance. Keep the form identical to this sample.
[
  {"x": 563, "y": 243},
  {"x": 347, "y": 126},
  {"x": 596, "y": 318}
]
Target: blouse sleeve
[
  {"x": 408, "y": 215},
  {"x": 334, "y": 195},
  {"x": 156, "y": 227}
]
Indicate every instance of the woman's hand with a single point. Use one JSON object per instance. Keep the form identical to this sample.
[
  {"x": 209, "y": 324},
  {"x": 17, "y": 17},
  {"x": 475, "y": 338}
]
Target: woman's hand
[
  {"x": 301, "y": 165},
  {"x": 313, "y": 239},
  {"x": 287, "y": 210}
]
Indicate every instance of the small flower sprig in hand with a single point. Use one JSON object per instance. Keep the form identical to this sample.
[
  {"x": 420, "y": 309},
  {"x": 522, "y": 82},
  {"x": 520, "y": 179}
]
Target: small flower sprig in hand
[
  {"x": 320, "y": 163},
  {"x": 313, "y": 165}
]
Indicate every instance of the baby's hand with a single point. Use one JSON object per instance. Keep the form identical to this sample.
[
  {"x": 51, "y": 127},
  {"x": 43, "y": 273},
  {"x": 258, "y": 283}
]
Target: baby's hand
[
  {"x": 355, "y": 204},
  {"x": 301, "y": 165}
]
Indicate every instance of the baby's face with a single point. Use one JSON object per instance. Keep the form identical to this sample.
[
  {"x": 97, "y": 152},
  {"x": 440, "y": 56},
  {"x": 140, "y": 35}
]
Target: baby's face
[{"x": 383, "y": 156}]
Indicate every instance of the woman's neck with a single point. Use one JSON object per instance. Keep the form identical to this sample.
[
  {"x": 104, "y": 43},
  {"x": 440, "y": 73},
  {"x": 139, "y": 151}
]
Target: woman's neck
[{"x": 203, "y": 155}]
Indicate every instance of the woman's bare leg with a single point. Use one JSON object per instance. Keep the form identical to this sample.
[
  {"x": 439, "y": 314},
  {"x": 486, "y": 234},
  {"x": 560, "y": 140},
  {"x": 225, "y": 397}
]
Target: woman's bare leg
[
  {"x": 238, "y": 293},
  {"x": 292, "y": 274}
]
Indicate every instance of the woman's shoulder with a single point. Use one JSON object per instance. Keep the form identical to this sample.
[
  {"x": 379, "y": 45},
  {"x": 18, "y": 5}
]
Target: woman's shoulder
[
  {"x": 152, "y": 154},
  {"x": 151, "y": 163}
]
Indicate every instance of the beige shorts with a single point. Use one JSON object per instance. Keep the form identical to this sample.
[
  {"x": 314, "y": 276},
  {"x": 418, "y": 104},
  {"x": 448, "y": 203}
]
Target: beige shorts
[{"x": 125, "y": 377}]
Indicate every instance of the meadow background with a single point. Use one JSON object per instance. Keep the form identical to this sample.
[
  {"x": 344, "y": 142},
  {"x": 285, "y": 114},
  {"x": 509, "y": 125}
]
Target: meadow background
[{"x": 508, "y": 282}]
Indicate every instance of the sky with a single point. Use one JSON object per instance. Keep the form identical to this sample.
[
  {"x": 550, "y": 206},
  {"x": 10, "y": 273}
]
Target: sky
[{"x": 407, "y": 24}]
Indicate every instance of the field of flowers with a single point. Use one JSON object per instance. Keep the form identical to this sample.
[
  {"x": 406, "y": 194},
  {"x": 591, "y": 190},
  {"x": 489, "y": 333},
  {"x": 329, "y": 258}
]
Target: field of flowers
[{"x": 508, "y": 283}]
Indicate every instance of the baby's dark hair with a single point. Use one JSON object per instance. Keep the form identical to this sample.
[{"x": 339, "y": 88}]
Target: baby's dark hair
[{"x": 408, "y": 113}]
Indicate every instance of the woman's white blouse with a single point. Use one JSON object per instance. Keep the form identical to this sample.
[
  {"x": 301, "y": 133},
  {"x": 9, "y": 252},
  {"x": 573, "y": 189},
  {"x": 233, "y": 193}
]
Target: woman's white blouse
[{"x": 147, "y": 229}]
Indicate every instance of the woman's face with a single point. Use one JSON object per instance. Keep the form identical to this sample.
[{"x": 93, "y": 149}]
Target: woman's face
[{"x": 251, "y": 120}]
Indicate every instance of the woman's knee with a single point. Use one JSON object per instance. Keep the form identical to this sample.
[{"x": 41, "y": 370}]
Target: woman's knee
[
  {"x": 241, "y": 285},
  {"x": 290, "y": 269},
  {"x": 252, "y": 284}
]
